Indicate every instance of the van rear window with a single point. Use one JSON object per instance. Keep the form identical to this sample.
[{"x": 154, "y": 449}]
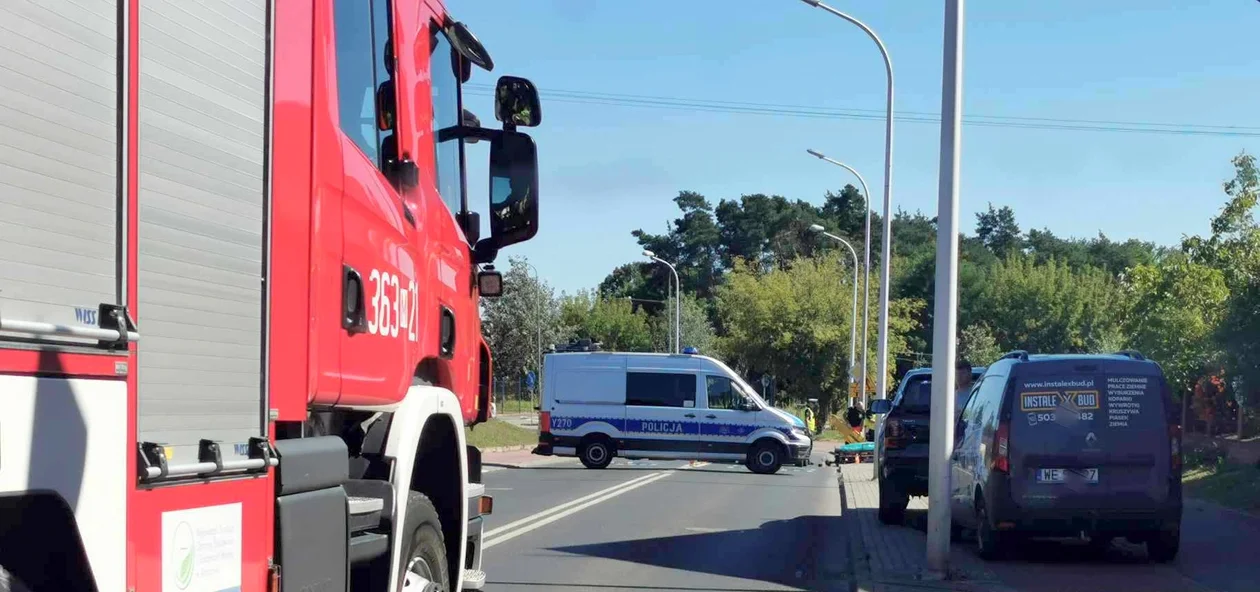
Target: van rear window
[{"x": 917, "y": 393}]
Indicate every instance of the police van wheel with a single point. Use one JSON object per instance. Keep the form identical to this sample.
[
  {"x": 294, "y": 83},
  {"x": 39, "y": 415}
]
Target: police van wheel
[
  {"x": 765, "y": 458},
  {"x": 596, "y": 453}
]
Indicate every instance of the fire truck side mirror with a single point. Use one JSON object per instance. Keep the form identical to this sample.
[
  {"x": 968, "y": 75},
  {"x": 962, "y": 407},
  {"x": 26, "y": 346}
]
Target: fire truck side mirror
[
  {"x": 513, "y": 188},
  {"x": 490, "y": 283},
  {"x": 516, "y": 102}
]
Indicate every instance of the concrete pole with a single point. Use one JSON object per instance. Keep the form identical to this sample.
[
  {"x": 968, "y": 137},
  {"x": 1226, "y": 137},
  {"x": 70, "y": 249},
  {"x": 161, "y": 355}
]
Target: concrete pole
[{"x": 945, "y": 321}]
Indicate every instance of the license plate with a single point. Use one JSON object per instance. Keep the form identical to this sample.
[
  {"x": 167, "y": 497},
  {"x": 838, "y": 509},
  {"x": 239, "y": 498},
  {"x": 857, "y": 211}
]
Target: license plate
[
  {"x": 1090, "y": 475},
  {"x": 1060, "y": 475},
  {"x": 1049, "y": 475}
]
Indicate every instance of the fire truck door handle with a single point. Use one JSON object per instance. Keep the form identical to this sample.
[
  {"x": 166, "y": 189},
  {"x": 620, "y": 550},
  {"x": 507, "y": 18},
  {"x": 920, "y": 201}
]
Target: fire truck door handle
[{"x": 353, "y": 313}]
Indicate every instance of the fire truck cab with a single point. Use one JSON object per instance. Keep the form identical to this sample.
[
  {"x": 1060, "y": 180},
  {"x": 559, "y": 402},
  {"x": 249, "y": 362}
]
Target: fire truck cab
[{"x": 239, "y": 285}]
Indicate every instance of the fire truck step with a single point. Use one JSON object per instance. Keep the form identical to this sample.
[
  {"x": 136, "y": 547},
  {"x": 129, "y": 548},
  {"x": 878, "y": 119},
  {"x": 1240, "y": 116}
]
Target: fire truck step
[
  {"x": 365, "y": 513},
  {"x": 368, "y": 502},
  {"x": 367, "y": 546},
  {"x": 474, "y": 579}
]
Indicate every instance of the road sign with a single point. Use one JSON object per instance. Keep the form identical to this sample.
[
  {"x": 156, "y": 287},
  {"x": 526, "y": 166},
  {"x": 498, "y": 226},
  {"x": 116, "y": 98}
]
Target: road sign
[{"x": 530, "y": 380}]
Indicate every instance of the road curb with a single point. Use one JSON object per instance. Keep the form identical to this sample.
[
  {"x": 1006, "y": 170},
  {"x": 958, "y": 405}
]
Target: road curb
[{"x": 507, "y": 448}]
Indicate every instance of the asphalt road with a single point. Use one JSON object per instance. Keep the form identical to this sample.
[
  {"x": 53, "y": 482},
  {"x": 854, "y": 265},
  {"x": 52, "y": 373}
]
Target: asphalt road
[{"x": 660, "y": 526}]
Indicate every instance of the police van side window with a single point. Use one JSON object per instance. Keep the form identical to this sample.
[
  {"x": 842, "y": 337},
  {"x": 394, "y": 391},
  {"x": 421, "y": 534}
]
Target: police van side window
[
  {"x": 721, "y": 393},
  {"x": 660, "y": 389}
]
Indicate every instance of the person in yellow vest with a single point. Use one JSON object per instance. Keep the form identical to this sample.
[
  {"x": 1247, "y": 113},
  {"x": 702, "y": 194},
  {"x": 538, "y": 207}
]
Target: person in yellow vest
[{"x": 810, "y": 424}]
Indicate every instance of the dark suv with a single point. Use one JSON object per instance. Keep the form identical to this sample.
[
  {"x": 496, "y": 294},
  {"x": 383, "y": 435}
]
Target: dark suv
[
  {"x": 901, "y": 442},
  {"x": 1069, "y": 445}
]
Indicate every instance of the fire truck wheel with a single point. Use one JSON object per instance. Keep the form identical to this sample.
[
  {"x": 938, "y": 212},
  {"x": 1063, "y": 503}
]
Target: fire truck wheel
[
  {"x": 424, "y": 562},
  {"x": 10, "y": 583}
]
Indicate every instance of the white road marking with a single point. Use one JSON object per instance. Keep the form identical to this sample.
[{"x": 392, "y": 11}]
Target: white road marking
[
  {"x": 539, "y": 523},
  {"x": 494, "y": 531}
]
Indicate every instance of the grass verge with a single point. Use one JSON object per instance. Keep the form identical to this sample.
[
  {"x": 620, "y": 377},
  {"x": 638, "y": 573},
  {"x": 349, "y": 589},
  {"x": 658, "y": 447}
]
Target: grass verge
[
  {"x": 496, "y": 433},
  {"x": 1209, "y": 475},
  {"x": 514, "y": 406}
]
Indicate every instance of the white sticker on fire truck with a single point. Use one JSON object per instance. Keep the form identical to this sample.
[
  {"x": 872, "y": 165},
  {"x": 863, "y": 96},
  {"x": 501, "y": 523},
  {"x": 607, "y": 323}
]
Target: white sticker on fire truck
[
  {"x": 392, "y": 309},
  {"x": 201, "y": 549}
]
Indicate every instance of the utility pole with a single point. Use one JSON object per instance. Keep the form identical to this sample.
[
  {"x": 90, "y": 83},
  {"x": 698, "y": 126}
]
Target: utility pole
[{"x": 945, "y": 320}]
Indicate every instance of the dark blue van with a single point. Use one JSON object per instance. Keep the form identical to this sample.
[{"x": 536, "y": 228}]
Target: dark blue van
[{"x": 1069, "y": 446}]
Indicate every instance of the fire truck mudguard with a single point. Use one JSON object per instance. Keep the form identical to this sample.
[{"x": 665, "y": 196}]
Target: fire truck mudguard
[{"x": 312, "y": 537}]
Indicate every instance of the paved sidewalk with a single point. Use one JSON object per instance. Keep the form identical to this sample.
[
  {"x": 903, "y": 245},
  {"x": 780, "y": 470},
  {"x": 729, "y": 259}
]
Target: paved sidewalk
[{"x": 893, "y": 559}]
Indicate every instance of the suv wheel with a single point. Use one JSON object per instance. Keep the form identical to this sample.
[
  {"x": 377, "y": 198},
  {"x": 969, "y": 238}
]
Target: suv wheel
[
  {"x": 892, "y": 503},
  {"x": 596, "y": 453},
  {"x": 1162, "y": 546}
]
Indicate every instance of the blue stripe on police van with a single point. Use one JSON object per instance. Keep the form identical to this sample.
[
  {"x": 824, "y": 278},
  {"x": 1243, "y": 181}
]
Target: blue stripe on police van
[
  {"x": 665, "y": 427},
  {"x": 564, "y": 424},
  {"x": 738, "y": 430}
]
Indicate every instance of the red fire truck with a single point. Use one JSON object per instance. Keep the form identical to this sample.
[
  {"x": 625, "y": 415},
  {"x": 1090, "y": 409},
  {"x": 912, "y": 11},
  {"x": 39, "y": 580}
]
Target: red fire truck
[{"x": 239, "y": 284}]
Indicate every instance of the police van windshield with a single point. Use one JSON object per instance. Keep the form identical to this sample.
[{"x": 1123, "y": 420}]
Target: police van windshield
[{"x": 742, "y": 386}]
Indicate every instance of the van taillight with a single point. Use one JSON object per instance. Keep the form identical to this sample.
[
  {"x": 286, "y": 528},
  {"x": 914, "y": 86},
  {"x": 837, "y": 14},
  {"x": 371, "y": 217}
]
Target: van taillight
[
  {"x": 544, "y": 422},
  {"x": 894, "y": 434},
  {"x": 1002, "y": 456},
  {"x": 1174, "y": 440}
]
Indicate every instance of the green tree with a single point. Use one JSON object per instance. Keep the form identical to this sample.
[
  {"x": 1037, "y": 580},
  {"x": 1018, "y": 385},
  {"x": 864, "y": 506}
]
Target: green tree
[
  {"x": 794, "y": 322},
  {"x": 1234, "y": 249},
  {"x": 609, "y": 321},
  {"x": 1177, "y": 306},
  {"x": 1051, "y": 308},
  {"x": 695, "y": 327},
  {"x": 977, "y": 345},
  {"x": 996, "y": 228},
  {"x": 515, "y": 323},
  {"x": 691, "y": 245}
]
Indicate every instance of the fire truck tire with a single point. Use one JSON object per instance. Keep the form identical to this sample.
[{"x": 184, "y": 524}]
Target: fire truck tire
[
  {"x": 10, "y": 583},
  {"x": 425, "y": 553}
]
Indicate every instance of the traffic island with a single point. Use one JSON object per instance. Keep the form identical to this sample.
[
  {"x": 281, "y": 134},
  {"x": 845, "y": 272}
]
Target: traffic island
[{"x": 893, "y": 558}]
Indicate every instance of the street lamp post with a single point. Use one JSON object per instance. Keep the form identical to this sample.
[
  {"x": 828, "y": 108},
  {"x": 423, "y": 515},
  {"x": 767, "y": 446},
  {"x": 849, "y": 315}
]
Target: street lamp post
[
  {"x": 945, "y": 316},
  {"x": 885, "y": 272},
  {"x": 677, "y": 299},
  {"x": 866, "y": 270},
  {"x": 852, "y": 325}
]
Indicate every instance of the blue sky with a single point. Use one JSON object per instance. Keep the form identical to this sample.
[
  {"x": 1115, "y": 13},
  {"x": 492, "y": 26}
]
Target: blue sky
[{"x": 609, "y": 169}]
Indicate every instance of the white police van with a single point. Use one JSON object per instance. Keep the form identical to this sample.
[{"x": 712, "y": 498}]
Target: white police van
[{"x": 597, "y": 405}]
